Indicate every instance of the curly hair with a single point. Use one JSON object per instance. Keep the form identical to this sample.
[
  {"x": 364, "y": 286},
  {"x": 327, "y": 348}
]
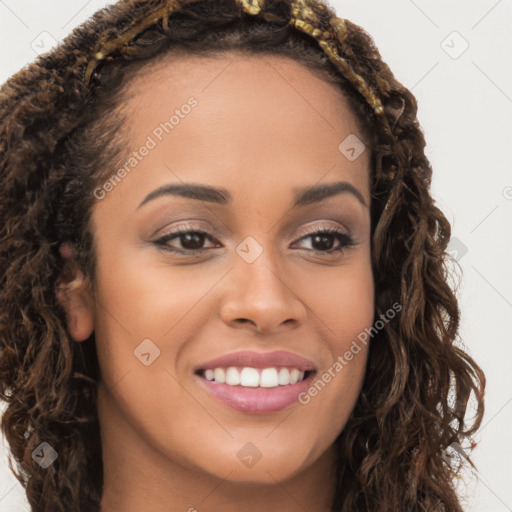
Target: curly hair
[{"x": 61, "y": 128}]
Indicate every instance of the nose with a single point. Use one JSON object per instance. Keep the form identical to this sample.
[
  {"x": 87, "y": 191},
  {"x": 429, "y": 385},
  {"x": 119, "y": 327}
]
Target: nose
[{"x": 261, "y": 297}]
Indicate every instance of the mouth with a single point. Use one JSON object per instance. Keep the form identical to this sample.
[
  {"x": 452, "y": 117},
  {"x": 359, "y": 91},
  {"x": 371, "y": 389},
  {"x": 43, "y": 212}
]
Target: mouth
[
  {"x": 256, "y": 382},
  {"x": 260, "y": 378},
  {"x": 255, "y": 390}
]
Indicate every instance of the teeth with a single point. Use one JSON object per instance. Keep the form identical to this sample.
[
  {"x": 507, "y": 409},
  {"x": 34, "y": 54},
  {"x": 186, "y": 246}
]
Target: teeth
[
  {"x": 232, "y": 377},
  {"x": 294, "y": 376},
  {"x": 255, "y": 377},
  {"x": 268, "y": 378},
  {"x": 284, "y": 376},
  {"x": 249, "y": 377},
  {"x": 219, "y": 375}
]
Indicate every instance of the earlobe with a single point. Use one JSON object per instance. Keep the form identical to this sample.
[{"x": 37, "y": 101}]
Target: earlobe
[{"x": 75, "y": 296}]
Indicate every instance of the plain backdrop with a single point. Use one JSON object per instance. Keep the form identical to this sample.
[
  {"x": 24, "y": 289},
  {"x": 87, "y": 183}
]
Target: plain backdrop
[{"x": 456, "y": 58}]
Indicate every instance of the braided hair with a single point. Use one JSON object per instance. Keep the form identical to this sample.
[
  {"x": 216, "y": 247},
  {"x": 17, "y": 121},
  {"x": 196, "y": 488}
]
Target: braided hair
[{"x": 60, "y": 129}]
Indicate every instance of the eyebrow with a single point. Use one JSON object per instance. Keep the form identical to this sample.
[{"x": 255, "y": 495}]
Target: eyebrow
[{"x": 302, "y": 197}]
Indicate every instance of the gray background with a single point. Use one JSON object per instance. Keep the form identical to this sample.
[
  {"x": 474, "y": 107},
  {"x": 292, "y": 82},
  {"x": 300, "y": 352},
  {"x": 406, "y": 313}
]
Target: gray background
[{"x": 465, "y": 107}]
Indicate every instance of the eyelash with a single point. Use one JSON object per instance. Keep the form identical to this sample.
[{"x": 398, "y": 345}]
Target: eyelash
[{"x": 346, "y": 240}]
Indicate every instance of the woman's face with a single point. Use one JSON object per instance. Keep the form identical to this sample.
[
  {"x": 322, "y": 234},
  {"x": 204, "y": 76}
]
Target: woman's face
[{"x": 250, "y": 277}]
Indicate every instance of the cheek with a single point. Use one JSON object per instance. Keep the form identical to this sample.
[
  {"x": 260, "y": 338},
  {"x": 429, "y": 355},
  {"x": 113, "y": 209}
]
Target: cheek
[
  {"x": 148, "y": 298},
  {"x": 341, "y": 301},
  {"x": 343, "y": 312}
]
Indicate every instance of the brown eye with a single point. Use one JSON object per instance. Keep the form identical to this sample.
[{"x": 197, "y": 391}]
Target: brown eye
[
  {"x": 191, "y": 240},
  {"x": 323, "y": 239}
]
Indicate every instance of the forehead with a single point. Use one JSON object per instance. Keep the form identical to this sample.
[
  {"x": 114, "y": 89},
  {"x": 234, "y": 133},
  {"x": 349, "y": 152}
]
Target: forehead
[
  {"x": 263, "y": 117},
  {"x": 242, "y": 78}
]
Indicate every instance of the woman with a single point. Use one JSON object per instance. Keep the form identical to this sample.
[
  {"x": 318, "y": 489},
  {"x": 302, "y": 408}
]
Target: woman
[{"x": 224, "y": 279}]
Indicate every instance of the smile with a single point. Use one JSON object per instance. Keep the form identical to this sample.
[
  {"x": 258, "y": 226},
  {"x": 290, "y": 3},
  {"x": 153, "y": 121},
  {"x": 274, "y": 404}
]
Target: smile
[
  {"x": 256, "y": 393},
  {"x": 254, "y": 377}
]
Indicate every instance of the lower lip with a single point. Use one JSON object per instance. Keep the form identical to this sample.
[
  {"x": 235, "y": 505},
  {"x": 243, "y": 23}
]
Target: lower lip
[{"x": 256, "y": 400}]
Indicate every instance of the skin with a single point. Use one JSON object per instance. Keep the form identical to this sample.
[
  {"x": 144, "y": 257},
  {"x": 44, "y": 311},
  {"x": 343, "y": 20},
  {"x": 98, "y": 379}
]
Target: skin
[{"x": 263, "y": 126}]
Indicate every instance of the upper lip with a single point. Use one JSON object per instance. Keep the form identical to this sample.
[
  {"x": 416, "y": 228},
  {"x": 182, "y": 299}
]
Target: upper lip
[{"x": 258, "y": 360}]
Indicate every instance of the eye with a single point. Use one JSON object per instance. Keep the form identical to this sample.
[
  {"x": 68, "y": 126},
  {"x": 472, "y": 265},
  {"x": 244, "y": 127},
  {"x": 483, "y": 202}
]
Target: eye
[
  {"x": 323, "y": 239},
  {"x": 191, "y": 240}
]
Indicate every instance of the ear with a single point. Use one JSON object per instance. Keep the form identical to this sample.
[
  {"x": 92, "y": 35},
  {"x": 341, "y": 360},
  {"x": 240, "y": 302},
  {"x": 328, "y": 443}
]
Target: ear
[{"x": 74, "y": 293}]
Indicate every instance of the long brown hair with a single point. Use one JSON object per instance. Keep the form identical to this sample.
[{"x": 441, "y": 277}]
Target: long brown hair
[{"x": 58, "y": 135}]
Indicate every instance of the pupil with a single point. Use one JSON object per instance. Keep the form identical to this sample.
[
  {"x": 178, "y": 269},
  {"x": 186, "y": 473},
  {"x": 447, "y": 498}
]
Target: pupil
[
  {"x": 190, "y": 240},
  {"x": 323, "y": 241}
]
